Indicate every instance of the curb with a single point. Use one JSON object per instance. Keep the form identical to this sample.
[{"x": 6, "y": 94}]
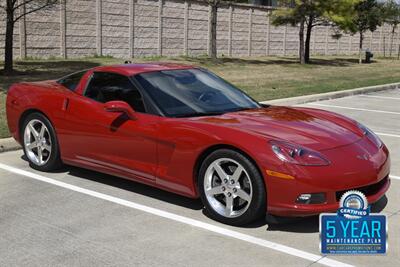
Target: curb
[
  {"x": 9, "y": 144},
  {"x": 331, "y": 95}
]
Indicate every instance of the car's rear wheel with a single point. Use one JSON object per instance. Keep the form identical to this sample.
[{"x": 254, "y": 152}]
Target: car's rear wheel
[
  {"x": 40, "y": 143},
  {"x": 231, "y": 188}
]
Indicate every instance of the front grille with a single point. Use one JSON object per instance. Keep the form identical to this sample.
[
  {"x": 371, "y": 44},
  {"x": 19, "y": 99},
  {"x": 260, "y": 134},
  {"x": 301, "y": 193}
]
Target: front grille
[{"x": 367, "y": 190}]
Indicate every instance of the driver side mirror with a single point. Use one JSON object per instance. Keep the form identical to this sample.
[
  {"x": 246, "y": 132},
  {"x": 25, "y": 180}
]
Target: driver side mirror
[{"x": 121, "y": 107}]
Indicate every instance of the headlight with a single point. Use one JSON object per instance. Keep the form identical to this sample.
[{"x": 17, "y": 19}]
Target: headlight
[
  {"x": 297, "y": 155},
  {"x": 371, "y": 135}
]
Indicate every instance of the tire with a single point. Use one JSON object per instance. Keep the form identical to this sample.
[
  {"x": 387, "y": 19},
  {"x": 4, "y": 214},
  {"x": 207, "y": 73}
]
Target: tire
[
  {"x": 40, "y": 144},
  {"x": 246, "y": 194}
]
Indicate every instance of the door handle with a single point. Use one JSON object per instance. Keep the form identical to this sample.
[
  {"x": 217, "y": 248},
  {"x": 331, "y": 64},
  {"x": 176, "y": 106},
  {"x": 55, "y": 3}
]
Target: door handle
[{"x": 65, "y": 104}]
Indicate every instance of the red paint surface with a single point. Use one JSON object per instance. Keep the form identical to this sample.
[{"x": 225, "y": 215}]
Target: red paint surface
[{"x": 165, "y": 152}]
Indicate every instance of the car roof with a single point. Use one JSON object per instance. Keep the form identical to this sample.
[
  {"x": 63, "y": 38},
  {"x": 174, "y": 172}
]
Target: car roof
[{"x": 137, "y": 68}]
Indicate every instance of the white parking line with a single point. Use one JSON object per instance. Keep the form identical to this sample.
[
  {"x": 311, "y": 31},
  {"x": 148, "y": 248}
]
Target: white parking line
[
  {"x": 387, "y": 134},
  {"x": 168, "y": 215},
  {"x": 382, "y": 97},
  {"x": 394, "y": 177},
  {"x": 361, "y": 109}
]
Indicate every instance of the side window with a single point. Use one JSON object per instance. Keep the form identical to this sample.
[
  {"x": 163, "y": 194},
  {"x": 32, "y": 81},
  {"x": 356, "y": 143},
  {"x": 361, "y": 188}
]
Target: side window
[
  {"x": 72, "y": 81},
  {"x": 104, "y": 87}
]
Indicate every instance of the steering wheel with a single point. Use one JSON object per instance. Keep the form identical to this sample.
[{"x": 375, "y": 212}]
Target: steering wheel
[{"x": 206, "y": 96}]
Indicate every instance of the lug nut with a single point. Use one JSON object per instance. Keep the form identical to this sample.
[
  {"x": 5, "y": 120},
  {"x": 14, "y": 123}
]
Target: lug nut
[
  {"x": 229, "y": 194},
  {"x": 223, "y": 188},
  {"x": 225, "y": 180},
  {"x": 232, "y": 181}
]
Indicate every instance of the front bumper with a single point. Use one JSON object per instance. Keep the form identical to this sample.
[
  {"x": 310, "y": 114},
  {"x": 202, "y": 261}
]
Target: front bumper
[
  {"x": 347, "y": 171},
  {"x": 302, "y": 210}
]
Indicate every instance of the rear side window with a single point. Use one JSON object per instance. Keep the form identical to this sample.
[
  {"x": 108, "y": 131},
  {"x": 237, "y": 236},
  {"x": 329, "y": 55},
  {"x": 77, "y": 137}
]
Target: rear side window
[
  {"x": 105, "y": 86},
  {"x": 71, "y": 81}
]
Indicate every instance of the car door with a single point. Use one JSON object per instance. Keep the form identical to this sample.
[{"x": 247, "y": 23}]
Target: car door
[{"x": 110, "y": 141}]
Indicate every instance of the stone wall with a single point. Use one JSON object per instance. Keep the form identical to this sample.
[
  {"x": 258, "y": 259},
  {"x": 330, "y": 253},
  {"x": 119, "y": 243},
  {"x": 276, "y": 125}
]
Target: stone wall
[{"x": 134, "y": 28}]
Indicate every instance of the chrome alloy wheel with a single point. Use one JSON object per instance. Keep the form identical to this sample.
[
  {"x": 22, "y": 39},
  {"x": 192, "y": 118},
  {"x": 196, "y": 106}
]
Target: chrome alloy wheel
[
  {"x": 228, "y": 187},
  {"x": 37, "y": 142}
]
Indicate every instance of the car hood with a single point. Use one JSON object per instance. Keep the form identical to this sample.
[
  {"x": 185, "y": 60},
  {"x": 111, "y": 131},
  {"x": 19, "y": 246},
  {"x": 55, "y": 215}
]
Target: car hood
[{"x": 312, "y": 128}]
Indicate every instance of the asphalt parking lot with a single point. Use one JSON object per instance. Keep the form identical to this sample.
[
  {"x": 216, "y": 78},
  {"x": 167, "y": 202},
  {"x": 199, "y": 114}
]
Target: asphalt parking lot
[{"x": 80, "y": 217}]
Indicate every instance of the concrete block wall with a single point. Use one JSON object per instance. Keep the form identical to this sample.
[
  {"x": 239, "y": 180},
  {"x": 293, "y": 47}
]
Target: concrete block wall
[
  {"x": 136, "y": 28},
  {"x": 115, "y": 27},
  {"x": 80, "y": 27},
  {"x": 16, "y": 36},
  {"x": 258, "y": 41},
  {"x": 146, "y": 27},
  {"x": 42, "y": 33},
  {"x": 223, "y": 30},
  {"x": 198, "y": 28}
]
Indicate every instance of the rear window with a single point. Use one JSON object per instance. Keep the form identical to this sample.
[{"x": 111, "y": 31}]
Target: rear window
[{"x": 71, "y": 81}]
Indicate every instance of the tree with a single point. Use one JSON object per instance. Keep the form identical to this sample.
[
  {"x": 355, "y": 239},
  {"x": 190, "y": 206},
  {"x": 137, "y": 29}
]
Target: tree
[
  {"x": 212, "y": 53},
  {"x": 391, "y": 15},
  {"x": 15, "y": 10},
  {"x": 293, "y": 14},
  {"x": 368, "y": 16},
  {"x": 212, "y": 40},
  {"x": 309, "y": 14}
]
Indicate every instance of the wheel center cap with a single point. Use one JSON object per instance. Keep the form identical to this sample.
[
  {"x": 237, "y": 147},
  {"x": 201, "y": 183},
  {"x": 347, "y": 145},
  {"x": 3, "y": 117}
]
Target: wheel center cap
[{"x": 231, "y": 188}]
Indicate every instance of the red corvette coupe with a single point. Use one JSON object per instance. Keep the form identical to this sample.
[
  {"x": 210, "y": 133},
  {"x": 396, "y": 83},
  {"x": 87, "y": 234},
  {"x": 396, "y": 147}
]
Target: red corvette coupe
[{"x": 185, "y": 130}]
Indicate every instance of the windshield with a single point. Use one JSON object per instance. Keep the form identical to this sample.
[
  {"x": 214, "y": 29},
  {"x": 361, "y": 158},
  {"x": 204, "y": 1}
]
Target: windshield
[{"x": 193, "y": 92}]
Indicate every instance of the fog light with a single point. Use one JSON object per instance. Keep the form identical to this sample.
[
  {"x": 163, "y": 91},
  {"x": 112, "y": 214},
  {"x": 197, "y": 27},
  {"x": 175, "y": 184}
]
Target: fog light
[
  {"x": 304, "y": 197},
  {"x": 314, "y": 198}
]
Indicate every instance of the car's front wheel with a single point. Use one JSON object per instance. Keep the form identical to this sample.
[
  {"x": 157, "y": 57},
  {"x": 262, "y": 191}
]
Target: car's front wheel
[
  {"x": 40, "y": 143},
  {"x": 231, "y": 188}
]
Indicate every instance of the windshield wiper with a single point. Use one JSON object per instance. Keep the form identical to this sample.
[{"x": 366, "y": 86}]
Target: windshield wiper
[{"x": 198, "y": 114}]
